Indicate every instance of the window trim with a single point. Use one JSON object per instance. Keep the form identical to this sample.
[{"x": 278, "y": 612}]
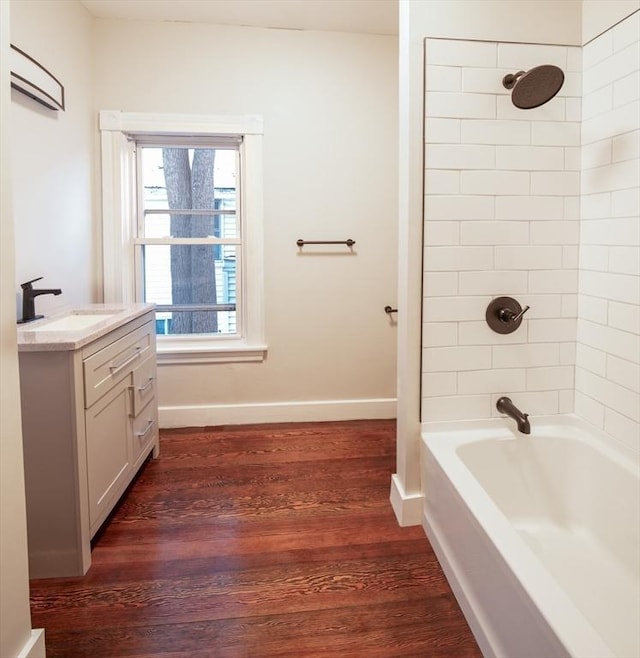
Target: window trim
[{"x": 119, "y": 213}]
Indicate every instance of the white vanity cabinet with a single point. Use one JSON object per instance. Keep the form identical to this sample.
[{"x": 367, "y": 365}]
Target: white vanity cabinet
[{"x": 90, "y": 419}]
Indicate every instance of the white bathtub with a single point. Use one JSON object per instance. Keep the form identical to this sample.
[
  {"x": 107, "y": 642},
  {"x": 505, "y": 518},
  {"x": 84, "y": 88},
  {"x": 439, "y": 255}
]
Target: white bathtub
[{"x": 538, "y": 535}]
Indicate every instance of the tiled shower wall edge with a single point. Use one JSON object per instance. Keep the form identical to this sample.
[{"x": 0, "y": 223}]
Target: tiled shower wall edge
[
  {"x": 608, "y": 332},
  {"x": 502, "y": 217},
  {"x": 502, "y": 203}
]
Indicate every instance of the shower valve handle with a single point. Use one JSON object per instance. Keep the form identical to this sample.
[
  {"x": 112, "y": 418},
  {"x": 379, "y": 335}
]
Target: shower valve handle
[
  {"x": 504, "y": 314},
  {"x": 518, "y": 317},
  {"x": 507, "y": 315}
]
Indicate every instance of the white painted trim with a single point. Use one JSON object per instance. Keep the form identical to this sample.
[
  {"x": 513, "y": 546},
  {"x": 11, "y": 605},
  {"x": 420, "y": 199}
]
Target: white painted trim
[
  {"x": 118, "y": 222},
  {"x": 407, "y": 507},
  {"x": 276, "y": 412},
  {"x": 118, "y": 212},
  {"x": 193, "y": 352},
  {"x": 252, "y": 214},
  {"x": 181, "y": 124},
  {"x": 35, "y": 647},
  {"x": 410, "y": 248}
]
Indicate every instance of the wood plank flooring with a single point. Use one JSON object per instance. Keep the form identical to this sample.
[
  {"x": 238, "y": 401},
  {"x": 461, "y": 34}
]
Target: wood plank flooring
[{"x": 257, "y": 541}]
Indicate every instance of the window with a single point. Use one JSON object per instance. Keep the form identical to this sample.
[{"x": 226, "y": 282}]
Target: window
[
  {"x": 182, "y": 228},
  {"x": 189, "y": 237}
]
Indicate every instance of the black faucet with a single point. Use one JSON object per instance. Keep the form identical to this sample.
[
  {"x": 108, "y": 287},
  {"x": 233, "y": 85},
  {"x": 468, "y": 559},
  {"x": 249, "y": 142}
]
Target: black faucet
[
  {"x": 505, "y": 406},
  {"x": 28, "y": 296}
]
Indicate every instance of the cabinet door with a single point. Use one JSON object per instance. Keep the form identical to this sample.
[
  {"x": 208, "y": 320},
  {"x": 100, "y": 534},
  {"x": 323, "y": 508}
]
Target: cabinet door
[{"x": 108, "y": 429}]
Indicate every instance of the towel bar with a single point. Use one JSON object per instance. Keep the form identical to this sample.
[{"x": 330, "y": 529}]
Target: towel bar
[{"x": 349, "y": 242}]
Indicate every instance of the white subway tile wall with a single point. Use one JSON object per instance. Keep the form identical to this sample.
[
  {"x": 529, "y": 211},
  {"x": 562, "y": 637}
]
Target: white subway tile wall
[
  {"x": 608, "y": 332},
  {"x": 542, "y": 205},
  {"x": 502, "y": 217},
  {"x": 571, "y": 207}
]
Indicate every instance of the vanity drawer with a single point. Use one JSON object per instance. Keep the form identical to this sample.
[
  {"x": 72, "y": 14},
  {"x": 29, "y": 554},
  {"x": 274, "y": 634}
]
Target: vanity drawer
[
  {"x": 111, "y": 364},
  {"x": 144, "y": 384},
  {"x": 145, "y": 429}
]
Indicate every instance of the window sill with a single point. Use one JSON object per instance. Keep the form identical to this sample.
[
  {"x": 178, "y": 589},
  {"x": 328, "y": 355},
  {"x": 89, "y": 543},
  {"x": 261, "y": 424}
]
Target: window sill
[{"x": 174, "y": 353}]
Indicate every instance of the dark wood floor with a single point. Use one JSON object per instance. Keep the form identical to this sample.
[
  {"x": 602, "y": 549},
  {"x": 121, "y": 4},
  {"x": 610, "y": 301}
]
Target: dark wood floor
[{"x": 257, "y": 541}]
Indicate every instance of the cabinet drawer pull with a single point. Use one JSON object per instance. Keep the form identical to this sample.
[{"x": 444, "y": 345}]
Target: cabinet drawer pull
[
  {"x": 146, "y": 430},
  {"x": 142, "y": 389},
  {"x": 118, "y": 366}
]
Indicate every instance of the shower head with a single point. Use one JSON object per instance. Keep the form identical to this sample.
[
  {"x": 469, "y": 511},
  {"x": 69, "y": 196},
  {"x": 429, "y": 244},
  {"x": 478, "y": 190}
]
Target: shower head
[{"x": 535, "y": 87}]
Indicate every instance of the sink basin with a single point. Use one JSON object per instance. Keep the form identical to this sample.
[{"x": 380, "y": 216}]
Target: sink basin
[{"x": 73, "y": 322}]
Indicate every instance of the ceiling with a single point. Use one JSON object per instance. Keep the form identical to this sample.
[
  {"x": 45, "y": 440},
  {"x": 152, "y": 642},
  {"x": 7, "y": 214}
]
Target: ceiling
[{"x": 364, "y": 16}]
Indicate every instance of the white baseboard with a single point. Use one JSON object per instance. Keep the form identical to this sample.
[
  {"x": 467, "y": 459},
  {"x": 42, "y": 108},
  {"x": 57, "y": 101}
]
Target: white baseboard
[
  {"x": 276, "y": 412},
  {"x": 407, "y": 507},
  {"x": 34, "y": 648}
]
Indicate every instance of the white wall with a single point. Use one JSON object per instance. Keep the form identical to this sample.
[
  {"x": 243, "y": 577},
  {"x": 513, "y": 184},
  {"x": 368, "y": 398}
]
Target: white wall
[
  {"x": 53, "y": 157},
  {"x": 329, "y": 104},
  {"x": 16, "y": 637},
  {"x": 47, "y": 231},
  {"x": 501, "y": 218},
  {"x": 556, "y": 22},
  {"x": 599, "y": 15},
  {"x": 608, "y": 350}
]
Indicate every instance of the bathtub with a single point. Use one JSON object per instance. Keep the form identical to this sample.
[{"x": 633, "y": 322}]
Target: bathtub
[{"x": 538, "y": 535}]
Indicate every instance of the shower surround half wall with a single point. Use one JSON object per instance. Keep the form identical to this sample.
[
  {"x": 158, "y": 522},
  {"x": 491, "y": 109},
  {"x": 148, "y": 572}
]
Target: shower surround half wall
[{"x": 502, "y": 217}]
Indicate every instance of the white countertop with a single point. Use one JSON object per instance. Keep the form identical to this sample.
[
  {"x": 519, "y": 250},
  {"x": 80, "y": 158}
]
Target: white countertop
[{"x": 41, "y": 340}]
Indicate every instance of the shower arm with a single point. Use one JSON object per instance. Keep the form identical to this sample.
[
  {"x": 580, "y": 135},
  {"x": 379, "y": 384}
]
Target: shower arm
[{"x": 509, "y": 81}]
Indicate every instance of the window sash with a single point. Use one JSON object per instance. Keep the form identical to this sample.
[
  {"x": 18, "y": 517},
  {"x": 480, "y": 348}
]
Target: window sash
[
  {"x": 140, "y": 240},
  {"x": 237, "y": 308},
  {"x": 162, "y": 308},
  {"x": 160, "y": 139},
  {"x": 213, "y": 240},
  {"x": 188, "y": 211},
  {"x": 229, "y": 223}
]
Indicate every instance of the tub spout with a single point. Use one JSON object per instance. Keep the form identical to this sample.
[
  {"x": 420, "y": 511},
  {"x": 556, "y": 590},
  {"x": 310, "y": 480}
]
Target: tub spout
[{"x": 505, "y": 406}]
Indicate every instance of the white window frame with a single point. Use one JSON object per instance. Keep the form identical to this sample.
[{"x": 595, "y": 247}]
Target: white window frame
[{"x": 119, "y": 220}]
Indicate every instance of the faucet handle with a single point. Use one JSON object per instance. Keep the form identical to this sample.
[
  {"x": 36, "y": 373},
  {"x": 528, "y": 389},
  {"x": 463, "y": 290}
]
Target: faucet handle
[
  {"x": 27, "y": 284},
  {"x": 504, "y": 314},
  {"x": 517, "y": 318},
  {"x": 509, "y": 315}
]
